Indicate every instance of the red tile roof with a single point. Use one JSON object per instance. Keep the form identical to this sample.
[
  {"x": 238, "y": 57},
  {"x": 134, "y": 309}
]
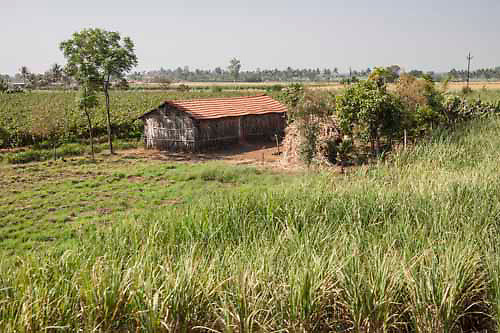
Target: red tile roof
[{"x": 212, "y": 108}]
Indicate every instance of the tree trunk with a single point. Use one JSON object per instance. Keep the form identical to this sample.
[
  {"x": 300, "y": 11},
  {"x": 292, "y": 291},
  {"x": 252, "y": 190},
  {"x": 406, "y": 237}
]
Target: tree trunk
[
  {"x": 110, "y": 135},
  {"x": 90, "y": 133},
  {"x": 377, "y": 145},
  {"x": 55, "y": 149}
]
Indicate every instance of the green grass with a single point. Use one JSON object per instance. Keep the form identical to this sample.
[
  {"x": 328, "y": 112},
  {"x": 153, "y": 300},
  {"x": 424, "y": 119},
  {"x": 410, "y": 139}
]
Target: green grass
[
  {"x": 409, "y": 244},
  {"x": 55, "y": 202},
  {"x": 485, "y": 95}
]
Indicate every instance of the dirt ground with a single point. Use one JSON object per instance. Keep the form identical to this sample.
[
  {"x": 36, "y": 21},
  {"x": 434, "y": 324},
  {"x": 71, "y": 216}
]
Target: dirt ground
[{"x": 265, "y": 153}]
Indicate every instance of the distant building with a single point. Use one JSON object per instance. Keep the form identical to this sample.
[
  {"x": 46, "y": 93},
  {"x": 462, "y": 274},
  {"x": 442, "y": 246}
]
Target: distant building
[{"x": 198, "y": 124}]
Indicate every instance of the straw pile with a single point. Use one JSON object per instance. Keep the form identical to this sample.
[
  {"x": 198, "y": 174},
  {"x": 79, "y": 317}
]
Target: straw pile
[{"x": 328, "y": 130}]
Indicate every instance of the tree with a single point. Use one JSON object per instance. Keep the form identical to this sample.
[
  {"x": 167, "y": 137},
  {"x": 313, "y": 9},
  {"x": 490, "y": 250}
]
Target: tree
[
  {"x": 87, "y": 101},
  {"x": 234, "y": 68},
  {"x": 370, "y": 111},
  {"x": 4, "y": 86},
  {"x": 385, "y": 75},
  {"x": 56, "y": 73},
  {"x": 25, "y": 73},
  {"x": 96, "y": 55}
]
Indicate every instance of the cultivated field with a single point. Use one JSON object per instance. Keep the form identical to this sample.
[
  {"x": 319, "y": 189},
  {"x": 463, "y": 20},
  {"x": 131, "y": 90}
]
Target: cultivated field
[
  {"x": 143, "y": 241},
  {"x": 17, "y": 111},
  {"x": 410, "y": 244}
]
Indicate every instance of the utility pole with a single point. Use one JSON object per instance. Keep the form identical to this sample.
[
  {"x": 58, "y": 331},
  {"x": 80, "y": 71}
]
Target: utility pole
[
  {"x": 469, "y": 58},
  {"x": 350, "y": 75}
]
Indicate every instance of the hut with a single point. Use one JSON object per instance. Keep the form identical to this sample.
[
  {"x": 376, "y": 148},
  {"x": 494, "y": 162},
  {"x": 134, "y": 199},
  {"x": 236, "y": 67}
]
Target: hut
[{"x": 199, "y": 124}]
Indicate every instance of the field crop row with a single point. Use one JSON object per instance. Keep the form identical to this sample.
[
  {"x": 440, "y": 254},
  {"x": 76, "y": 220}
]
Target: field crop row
[{"x": 16, "y": 113}]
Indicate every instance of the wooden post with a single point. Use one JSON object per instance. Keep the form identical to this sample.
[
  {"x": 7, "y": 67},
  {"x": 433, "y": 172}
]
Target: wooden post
[
  {"x": 405, "y": 140},
  {"x": 277, "y": 143},
  {"x": 240, "y": 130}
]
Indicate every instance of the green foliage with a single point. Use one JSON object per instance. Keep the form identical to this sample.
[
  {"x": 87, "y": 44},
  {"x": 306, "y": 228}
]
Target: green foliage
[
  {"x": 331, "y": 150},
  {"x": 183, "y": 87},
  {"x": 97, "y": 55},
  {"x": 16, "y": 113},
  {"x": 466, "y": 91},
  {"x": 309, "y": 141},
  {"x": 275, "y": 88},
  {"x": 384, "y": 75},
  {"x": 423, "y": 102},
  {"x": 122, "y": 84},
  {"x": 28, "y": 156},
  {"x": 3, "y": 85},
  {"x": 369, "y": 111},
  {"x": 292, "y": 95},
  {"x": 234, "y": 68},
  {"x": 344, "y": 148},
  {"x": 216, "y": 89}
]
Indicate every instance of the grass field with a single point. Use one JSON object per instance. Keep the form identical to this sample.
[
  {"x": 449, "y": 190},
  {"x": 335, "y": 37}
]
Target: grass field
[
  {"x": 52, "y": 203},
  {"x": 410, "y": 244}
]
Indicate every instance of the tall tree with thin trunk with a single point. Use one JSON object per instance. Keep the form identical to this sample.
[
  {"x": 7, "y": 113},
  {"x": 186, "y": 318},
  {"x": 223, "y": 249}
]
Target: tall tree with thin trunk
[
  {"x": 87, "y": 101},
  {"x": 234, "y": 68},
  {"x": 25, "y": 74},
  {"x": 96, "y": 55}
]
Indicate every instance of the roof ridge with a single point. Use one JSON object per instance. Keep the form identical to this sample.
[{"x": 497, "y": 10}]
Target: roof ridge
[{"x": 215, "y": 98}]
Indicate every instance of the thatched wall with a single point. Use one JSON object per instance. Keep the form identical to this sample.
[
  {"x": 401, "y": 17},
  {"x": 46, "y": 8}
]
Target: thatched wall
[{"x": 169, "y": 129}]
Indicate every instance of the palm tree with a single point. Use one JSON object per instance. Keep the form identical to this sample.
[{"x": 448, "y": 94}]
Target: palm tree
[
  {"x": 56, "y": 72},
  {"x": 25, "y": 73}
]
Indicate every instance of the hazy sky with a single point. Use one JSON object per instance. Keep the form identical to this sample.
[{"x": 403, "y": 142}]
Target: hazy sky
[{"x": 424, "y": 34}]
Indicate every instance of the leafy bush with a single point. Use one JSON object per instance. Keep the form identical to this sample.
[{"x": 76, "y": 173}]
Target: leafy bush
[
  {"x": 3, "y": 85},
  {"x": 216, "y": 89},
  {"x": 308, "y": 145},
  {"x": 28, "y": 156},
  {"x": 275, "y": 87},
  {"x": 466, "y": 90},
  {"x": 292, "y": 95},
  {"x": 183, "y": 87},
  {"x": 370, "y": 112}
]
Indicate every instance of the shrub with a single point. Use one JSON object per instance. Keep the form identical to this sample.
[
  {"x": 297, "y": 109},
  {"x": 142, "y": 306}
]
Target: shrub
[
  {"x": 183, "y": 87},
  {"x": 331, "y": 150},
  {"x": 370, "y": 112},
  {"x": 292, "y": 95},
  {"x": 275, "y": 87},
  {"x": 28, "y": 156},
  {"x": 3, "y": 85},
  {"x": 423, "y": 104},
  {"x": 122, "y": 85},
  {"x": 466, "y": 90},
  {"x": 308, "y": 145},
  {"x": 216, "y": 89}
]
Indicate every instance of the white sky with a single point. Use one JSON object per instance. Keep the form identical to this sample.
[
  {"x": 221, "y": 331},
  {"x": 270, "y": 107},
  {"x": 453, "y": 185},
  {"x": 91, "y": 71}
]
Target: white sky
[{"x": 429, "y": 35}]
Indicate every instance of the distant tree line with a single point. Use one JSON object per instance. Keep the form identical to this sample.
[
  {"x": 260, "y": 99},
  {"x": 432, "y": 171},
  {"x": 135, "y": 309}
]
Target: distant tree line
[
  {"x": 57, "y": 77},
  {"x": 478, "y": 74},
  {"x": 233, "y": 73}
]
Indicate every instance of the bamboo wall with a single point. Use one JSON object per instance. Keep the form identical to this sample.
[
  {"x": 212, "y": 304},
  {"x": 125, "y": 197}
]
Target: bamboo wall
[
  {"x": 173, "y": 130},
  {"x": 169, "y": 130}
]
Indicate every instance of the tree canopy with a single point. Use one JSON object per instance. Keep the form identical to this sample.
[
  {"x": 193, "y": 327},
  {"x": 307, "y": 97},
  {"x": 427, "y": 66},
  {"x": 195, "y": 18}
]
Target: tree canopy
[
  {"x": 96, "y": 55},
  {"x": 234, "y": 68}
]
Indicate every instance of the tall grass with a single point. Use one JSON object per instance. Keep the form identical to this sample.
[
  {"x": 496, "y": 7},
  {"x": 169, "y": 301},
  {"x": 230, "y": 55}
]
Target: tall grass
[{"x": 410, "y": 244}]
